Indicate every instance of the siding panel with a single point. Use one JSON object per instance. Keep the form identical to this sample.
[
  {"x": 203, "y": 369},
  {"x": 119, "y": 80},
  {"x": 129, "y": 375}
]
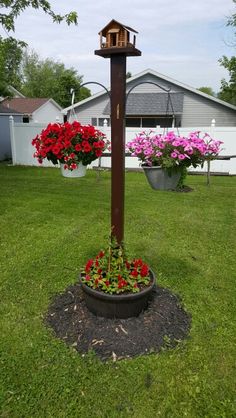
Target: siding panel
[
  {"x": 200, "y": 111},
  {"x": 90, "y": 110}
]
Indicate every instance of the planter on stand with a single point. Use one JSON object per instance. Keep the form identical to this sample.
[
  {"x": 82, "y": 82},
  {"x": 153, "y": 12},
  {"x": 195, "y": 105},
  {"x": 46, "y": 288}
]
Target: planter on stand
[
  {"x": 118, "y": 306},
  {"x": 160, "y": 179},
  {"x": 80, "y": 171}
]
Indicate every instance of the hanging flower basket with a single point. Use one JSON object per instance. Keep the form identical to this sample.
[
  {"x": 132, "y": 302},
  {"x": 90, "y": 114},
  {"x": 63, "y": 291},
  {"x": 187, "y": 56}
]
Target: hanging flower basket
[
  {"x": 165, "y": 157},
  {"x": 69, "y": 144}
]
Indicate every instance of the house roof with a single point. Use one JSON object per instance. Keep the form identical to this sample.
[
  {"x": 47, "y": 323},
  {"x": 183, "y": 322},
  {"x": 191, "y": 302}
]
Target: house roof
[
  {"x": 27, "y": 105},
  {"x": 152, "y": 104},
  {"x": 8, "y": 111},
  {"x": 103, "y": 31},
  {"x": 159, "y": 75},
  {"x": 15, "y": 92}
]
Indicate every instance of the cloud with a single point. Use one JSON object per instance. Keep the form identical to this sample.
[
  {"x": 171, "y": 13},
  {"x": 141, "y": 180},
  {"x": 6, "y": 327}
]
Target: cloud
[{"x": 182, "y": 39}]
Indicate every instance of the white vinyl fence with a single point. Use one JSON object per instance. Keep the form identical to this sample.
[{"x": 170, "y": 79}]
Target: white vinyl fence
[{"x": 22, "y": 150}]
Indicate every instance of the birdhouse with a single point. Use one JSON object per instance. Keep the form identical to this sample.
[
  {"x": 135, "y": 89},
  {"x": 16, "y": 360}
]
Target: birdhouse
[{"x": 116, "y": 35}]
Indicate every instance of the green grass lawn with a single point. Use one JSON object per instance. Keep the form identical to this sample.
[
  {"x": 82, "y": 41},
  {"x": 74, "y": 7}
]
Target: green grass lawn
[{"x": 49, "y": 227}]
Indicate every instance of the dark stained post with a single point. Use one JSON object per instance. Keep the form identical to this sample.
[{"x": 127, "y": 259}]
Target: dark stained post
[
  {"x": 118, "y": 89},
  {"x": 118, "y": 56}
]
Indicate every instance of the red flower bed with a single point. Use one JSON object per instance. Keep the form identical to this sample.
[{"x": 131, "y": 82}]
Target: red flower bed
[{"x": 111, "y": 272}]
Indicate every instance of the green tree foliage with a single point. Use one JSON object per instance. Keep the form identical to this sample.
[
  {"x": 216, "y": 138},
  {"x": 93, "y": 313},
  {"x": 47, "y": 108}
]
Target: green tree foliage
[
  {"x": 228, "y": 88},
  {"x": 207, "y": 90},
  {"x": 11, "y": 52},
  {"x": 47, "y": 78},
  {"x": 128, "y": 74},
  {"x": 232, "y": 19},
  {"x": 11, "y": 9}
]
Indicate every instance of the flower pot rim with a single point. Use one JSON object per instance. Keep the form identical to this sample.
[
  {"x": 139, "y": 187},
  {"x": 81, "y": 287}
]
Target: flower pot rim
[
  {"x": 79, "y": 162},
  {"x": 174, "y": 167},
  {"x": 153, "y": 166},
  {"x": 119, "y": 296}
]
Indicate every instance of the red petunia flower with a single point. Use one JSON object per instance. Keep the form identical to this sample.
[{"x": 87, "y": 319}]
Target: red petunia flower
[
  {"x": 122, "y": 283},
  {"x": 73, "y": 166},
  {"x": 138, "y": 263},
  {"x": 134, "y": 273},
  {"x": 98, "y": 153},
  {"x": 127, "y": 265},
  {"x": 144, "y": 270},
  {"x": 87, "y": 148},
  {"x": 78, "y": 147},
  {"x": 89, "y": 265}
]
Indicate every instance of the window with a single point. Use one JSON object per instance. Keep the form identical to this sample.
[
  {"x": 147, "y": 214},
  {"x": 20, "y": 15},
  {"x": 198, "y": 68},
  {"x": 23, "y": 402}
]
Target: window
[
  {"x": 26, "y": 119},
  {"x": 133, "y": 122},
  {"x": 152, "y": 121},
  {"x": 162, "y": 121},
  {"x": 100, "y": 121}
]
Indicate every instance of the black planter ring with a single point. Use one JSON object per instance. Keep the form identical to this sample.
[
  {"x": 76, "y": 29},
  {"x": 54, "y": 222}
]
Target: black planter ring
[{"x": 118, "y": 306}]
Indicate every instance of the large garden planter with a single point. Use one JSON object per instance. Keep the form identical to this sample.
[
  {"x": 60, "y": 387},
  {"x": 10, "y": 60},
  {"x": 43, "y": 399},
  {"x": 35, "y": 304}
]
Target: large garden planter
[
  {"x": 80, "y": 171},
  {"x": 117, "y": 306},
  {"x": 160, "y": 179}
]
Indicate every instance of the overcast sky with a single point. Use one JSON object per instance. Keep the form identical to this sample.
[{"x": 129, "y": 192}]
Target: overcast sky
[{"x": 182, "y": 39}]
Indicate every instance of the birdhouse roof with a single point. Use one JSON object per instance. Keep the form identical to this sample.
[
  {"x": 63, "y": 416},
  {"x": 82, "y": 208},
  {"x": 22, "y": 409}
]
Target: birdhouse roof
[{"x": 104, "y": 30}]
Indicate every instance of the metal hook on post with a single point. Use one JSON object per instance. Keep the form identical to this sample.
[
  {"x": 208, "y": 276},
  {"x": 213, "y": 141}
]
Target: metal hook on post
[{"x": 72, "y": 92}]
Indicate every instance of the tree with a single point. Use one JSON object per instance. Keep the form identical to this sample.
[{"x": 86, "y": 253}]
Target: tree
[
  {"x": 48, "y": 78},
  {"x": 13, "y": 8},
  {"x": 228, "y": 88},
  {"x": 207, "y": 90},
  {"x": 11, "y": 52}
]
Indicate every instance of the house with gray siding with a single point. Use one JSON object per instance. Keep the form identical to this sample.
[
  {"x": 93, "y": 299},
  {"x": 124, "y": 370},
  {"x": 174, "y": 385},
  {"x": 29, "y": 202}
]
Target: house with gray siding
[
  {"x": 25, "y": 110},
  {"x": 35, "y": 109},
  {"x": 5, "y": 143},
  {"x": 157, "y": 100}
]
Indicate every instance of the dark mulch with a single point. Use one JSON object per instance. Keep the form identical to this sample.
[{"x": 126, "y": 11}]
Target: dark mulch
[
  {"x": 163, "y": 324},
  {"x": 183, "y": 189}
]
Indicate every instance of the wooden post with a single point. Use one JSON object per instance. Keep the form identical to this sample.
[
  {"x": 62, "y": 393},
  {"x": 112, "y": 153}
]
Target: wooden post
[
  {"x": 118, "y": 86},
  {"x": 208, "y": 171},
  {"x": 12, "y": 138},
  {"x": 118, "y": 93}
]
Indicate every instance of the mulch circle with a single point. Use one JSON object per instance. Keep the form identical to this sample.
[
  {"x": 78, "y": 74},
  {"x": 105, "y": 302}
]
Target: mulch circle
[
  {"x": 183, "y": 189},
  {"x": 163, "y": 324}
]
